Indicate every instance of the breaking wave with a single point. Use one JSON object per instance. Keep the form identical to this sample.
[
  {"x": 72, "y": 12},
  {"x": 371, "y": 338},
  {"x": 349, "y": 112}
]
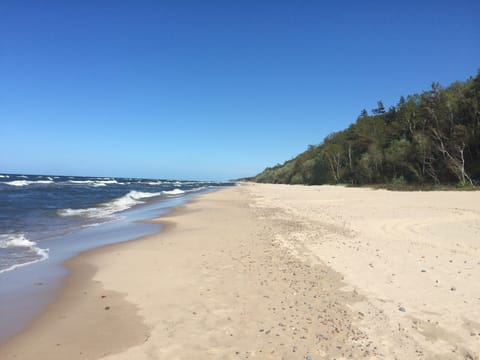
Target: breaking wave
[
  {"x": 27, "y": 182},
  {"x": 173, "y": 192},
  {"x": 106, "y": 210},
  {"x": 20, "y": 241},
  {"x": 94, "y": 183}
]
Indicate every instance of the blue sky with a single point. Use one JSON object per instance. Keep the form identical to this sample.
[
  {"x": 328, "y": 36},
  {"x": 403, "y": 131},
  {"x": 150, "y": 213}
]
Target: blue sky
[{"x": 210, "y": 89}]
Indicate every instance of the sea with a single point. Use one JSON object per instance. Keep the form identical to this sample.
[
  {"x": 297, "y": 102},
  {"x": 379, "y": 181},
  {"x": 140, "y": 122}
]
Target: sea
[{"x": 47, "y": 219}]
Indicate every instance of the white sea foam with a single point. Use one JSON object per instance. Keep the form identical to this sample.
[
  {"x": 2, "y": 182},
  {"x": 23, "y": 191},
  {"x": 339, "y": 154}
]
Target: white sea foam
[
  {"x": 4, "y": 176},
  {"x": 107, "y": 210},
  {"x": 94, "y": 183},
  {"x": 109, "y": 181},
  {"x": 154, "y": 183},
  {"x": 142, "y": 195},
  {"x": 81, "y": 181},
  {"x": 27, "y": 182},
  {"x": 18, "y": 183},
  {"x": 20, "y": 241},
  {"x": 173, "y": 192}
]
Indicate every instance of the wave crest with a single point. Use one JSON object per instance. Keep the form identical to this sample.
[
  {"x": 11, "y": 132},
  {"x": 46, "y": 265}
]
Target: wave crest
[
  {"x": 27, "y": 182},
  {"x": 21, "y": 241},
  {"x": 173, "y": 192},
  {"x": 106, "y": 210},
  {"x": 94, "y": 183}
]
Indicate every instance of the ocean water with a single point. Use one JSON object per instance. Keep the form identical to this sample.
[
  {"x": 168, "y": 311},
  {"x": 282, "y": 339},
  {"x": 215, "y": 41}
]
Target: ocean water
[{"x": 38, "y": 212}]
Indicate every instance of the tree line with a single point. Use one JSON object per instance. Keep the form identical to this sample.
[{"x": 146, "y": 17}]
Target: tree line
[{"x": 427, "y": 138}]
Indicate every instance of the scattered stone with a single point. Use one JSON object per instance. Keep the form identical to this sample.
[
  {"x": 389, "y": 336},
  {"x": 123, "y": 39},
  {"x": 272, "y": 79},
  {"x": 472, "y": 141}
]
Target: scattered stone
[
  {"x": 453, "y": 288},
  {"x": 423, "y": 270},
  {"x": 107, "y": 307},
  {"x": 308, "y": 357},
  {"x": 402, "y": 309}
]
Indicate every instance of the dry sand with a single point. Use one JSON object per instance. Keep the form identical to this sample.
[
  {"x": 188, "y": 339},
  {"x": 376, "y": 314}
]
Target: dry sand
[{"x": 278, "y": 272}]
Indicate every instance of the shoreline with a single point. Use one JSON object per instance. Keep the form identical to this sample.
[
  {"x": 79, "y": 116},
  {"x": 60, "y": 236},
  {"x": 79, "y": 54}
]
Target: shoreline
[
  {"x": 78, "y": 282},
  {"x": 83, "y": 301},
  {"x": 270, "y": 272},
  {"x": 29, "y": 290}
]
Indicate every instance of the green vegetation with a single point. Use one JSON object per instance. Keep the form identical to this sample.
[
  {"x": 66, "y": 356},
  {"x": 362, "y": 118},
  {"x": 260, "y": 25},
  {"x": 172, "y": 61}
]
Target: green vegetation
[{"x": 430, "y": 138}]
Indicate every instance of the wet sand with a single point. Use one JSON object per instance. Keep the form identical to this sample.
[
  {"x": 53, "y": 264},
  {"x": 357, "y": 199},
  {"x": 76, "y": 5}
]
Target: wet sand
[{"x": 278, "y": 272}]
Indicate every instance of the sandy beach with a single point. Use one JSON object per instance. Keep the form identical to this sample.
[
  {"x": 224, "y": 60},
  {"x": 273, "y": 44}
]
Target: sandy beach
[{"x": 277, "y": 272}]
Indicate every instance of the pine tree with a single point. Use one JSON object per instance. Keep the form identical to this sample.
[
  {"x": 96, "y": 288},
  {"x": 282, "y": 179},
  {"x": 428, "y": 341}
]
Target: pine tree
[{"x": 380, "y": 108}]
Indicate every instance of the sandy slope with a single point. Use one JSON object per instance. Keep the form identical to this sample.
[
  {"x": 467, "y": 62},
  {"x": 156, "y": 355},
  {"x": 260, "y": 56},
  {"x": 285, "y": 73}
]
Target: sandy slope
[{"x": 272, "y": 272}]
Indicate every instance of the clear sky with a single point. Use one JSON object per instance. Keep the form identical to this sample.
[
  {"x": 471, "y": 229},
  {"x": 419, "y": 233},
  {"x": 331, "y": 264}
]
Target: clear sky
[{"x": 210, "y": 89}]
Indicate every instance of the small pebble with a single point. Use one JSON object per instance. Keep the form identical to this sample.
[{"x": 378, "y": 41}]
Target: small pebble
[
  {"x": 453, "y": 288},
  {"x": 402, "y": 309}
]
